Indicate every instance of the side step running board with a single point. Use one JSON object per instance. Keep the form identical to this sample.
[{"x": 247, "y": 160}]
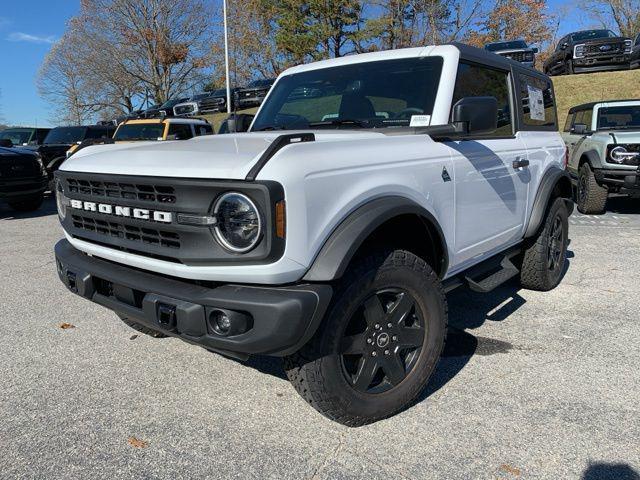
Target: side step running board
[{"x": 498, "y": 274}]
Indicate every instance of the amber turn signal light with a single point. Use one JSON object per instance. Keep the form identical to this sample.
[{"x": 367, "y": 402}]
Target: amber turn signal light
[{"x": 281, "y": 219}]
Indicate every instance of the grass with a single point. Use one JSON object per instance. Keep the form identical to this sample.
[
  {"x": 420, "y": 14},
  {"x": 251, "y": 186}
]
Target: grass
[{"x": 572, "y": 90}]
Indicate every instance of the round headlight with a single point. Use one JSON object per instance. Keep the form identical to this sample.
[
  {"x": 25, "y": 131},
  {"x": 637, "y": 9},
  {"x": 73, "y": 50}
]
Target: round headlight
[
  {"x": 61, "y": 200},
  {"x": 238, "y": 224},
  {"x": 618, "y": 154}
]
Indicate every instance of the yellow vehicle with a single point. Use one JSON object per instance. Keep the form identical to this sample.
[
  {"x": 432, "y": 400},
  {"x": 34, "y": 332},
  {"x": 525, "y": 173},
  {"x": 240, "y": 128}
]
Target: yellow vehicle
[{"x": 152, "y": 129}]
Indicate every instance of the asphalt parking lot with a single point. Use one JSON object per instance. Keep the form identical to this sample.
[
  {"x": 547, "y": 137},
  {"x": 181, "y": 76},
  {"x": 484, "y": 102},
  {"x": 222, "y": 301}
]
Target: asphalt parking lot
[{"x": 531, "y": 385}]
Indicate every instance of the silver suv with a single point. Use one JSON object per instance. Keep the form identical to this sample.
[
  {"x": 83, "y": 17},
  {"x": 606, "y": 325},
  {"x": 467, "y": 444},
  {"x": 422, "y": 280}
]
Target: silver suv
[{"x": 603, "y": 141}]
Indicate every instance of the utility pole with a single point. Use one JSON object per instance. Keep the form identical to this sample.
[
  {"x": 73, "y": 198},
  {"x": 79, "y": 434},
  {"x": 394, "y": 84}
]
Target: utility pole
[{"x": 226, "y": 55}]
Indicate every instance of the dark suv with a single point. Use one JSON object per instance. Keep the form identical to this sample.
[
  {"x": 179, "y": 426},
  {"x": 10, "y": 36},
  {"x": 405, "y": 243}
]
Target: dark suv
[
  {"x": 635, "y": 55},
  {"x": 254, "y": 93},
  {"x": 208, "y": 102},
  {"x": 589, "y": 51},
  {"x": 60, "y": 139},
  {"x": 25, "y": 136},
  {"x": 23, "y": 178},
  {"x": 517, "y": 50}
]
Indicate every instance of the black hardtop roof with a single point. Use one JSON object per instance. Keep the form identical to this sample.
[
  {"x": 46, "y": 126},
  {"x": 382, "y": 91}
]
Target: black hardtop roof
[
  {"x": 590, "y": 105},
  {"x": 104, "y": 127},
  {"x": 485, "y": 57}
]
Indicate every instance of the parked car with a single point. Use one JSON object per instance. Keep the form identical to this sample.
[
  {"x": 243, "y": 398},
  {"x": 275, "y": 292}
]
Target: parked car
[
  {"x": 254, "y": 93},
  {"x": 589, "y": 51},
  {"x": 603, "y": 139},
  {"x": 25, "y": 136},
  {"x": 241, "y": 123},
  {"x": 209, "y": 102},
  {"x": 517, "y": 50},
  {"x": 60, "y": 139},
  {"x": 161, "y": 129},
  {"x": 23, "y": 178},
  {"x": 331, "y": 243},
  {"x": 635, "y": 54},
  {"x": 165, "y": 109}
]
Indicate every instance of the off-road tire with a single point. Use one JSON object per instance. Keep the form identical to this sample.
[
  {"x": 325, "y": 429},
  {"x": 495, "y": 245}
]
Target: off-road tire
[
  {"x": 28, "y": 205},
  {"x": 317, "y": 370},
  {"x": 535, "y": 271},
  {"x": 141, "y": 328},
  {"x": 591, "y": 197}
]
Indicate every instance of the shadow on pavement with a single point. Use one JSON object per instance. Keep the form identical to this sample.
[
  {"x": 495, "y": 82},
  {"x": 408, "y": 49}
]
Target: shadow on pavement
[
  {"x": 623, "y": 205},
  {"x": 610, "y": 471},
  {"x": 47, "y": 208}
]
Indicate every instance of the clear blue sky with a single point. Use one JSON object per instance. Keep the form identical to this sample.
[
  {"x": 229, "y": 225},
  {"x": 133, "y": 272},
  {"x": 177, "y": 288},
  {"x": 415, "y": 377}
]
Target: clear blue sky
[{"x": 27, "y": 30}]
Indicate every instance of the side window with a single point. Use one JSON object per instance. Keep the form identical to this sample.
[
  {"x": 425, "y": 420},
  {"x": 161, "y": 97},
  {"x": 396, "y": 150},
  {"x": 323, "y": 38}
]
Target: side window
[
  {"x": 569, "y": 123},
  {"x": 98, "y": 133},
  {"x": 478, "y": 81},
  {"x": 587, "y": 117},
  {"x": 40, "y": 135},
  {"x": 538, "y": 102},
  {"x": 203, "y": 130},
  {"x": 181, "y": 130}
]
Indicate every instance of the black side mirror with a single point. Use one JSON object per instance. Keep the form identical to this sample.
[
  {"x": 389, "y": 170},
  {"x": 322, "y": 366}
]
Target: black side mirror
[
  {"x": 564, "y": 46},
  {"x": 535, "y": 50},
  {"x": 579, "y": 129},
  {"x": 6, "y": 142},
  {"x": 475, "y": 115}
]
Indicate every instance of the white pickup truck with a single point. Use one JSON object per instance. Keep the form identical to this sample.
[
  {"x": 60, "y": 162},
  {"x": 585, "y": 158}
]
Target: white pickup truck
[{"x": 328, "y": 234}]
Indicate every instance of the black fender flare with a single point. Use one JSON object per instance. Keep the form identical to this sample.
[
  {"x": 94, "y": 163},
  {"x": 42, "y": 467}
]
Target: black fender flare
[
  {"x": 54, "y": 164},
  {"x": 553, "y": 177},
  {"x": 592, "y": 157},
  {"x": 345, "y": 240}
]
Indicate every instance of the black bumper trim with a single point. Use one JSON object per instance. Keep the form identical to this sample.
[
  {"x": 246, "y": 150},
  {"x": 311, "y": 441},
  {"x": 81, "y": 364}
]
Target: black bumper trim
[
  {"x": 627, "y": 179},
  {"x": 283, "y": 318},
  {"x": 11, "y": 189}
]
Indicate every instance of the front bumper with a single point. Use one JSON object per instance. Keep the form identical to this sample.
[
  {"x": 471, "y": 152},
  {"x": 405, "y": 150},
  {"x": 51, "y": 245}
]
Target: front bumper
[
  {"x": 625, "y": 179},
  {"x": 601, "y": 63},
  {"x": 16, "y": 189},
  {"x": 274, "y": 320}
]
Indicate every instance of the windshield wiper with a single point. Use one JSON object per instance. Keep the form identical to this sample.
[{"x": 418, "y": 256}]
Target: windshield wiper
[{"x": 341, "y": 122}]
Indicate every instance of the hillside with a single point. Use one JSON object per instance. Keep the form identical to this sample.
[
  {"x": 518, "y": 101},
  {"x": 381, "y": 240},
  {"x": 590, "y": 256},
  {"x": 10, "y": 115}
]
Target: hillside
[{"x": 573, "y": 90}]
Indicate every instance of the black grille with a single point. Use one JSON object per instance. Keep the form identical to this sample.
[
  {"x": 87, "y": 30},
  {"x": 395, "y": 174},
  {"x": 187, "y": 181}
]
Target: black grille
[
  {"x": 111, "y": 228},
  {"x": 609, "y": 48},
  {"x": 211, "y": 103},
  {"x": 19, "y": 167},
  {"x": 520, "y": 56},
  {"x": 184, "y": 109},
  {"x": 128, "y": 191}
]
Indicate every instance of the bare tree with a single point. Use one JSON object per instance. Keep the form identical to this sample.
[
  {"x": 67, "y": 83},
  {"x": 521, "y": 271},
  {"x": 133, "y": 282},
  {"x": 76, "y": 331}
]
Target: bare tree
[
  {"x": 62, "y": 84},
  {"x": 623, "y": 14},
  {"x": 163, "y": 45}
]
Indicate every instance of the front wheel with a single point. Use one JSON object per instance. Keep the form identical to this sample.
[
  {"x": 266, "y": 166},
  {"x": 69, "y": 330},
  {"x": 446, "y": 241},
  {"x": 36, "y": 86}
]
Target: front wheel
[
  {"x": 592, "y": 198},
  {"x": 379, "y": 343}
]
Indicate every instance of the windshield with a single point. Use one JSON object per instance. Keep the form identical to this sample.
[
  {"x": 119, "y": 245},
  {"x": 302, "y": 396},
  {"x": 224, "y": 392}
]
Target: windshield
[
  {"x": 171, "y": 103},
  {"x": 494, "y": 47},
  {"x": 619, "y": 118},
  {"x": 17, "y": 137},
  {"x": 591, "y": 34},
  {"x": 65, "y": 135},
  {"x": 139, "y": 131},
  {"x": 385, "y": 93}
]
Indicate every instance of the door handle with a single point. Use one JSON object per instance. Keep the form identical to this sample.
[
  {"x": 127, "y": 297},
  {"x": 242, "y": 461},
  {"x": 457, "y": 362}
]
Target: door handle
[{"x": 520, "y": 163}]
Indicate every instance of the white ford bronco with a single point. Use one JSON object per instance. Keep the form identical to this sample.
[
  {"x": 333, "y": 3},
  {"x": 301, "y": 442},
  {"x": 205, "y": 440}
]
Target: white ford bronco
[
  {"x": 603, "y": 139},
  {"x": 366, "y": 188}
]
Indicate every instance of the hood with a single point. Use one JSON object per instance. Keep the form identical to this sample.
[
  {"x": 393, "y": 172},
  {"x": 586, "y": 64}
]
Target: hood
[
  {"x": 598, "y": 41},
  {"x": 16, "y": 152},
  {"x": 513, "y": 50},
  {"x": 228, "y": 156},
  {"x": 625, "y": 136}
]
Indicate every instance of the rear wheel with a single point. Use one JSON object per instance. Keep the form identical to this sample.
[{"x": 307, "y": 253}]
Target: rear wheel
[
  {"x": 592, "y": 198},
  {"x": 28, "y": 204},
  {"x": 379, "y": 343},
  {"x": 543, "y": 261}
]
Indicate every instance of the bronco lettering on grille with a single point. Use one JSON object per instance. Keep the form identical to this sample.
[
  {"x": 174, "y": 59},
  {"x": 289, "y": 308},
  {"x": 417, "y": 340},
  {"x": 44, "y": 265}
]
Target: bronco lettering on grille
[{"x": 137, "y": 213}]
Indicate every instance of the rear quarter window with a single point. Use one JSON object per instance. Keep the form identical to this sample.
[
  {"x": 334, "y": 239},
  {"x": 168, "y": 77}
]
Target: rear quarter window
[{"x": 538, "y": 105}]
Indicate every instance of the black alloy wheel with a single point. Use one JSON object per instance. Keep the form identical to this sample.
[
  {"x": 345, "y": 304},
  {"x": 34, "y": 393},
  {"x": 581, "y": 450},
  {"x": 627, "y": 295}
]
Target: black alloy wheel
[{"x": 382, "y": 341}]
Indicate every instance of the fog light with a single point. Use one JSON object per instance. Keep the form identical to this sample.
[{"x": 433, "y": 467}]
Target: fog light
[
  {"x": 221, "y": 323},
  {"x": 227, "y": 323}
]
